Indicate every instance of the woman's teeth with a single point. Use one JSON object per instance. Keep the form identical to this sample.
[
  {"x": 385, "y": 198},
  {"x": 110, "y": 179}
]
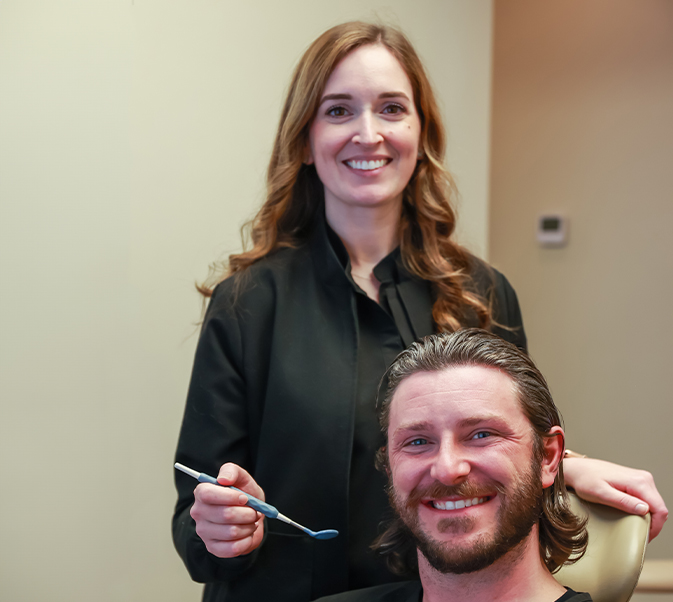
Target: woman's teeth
[
  {"x": 458, "y": 504},
  {"x": 366, "y": 165}
]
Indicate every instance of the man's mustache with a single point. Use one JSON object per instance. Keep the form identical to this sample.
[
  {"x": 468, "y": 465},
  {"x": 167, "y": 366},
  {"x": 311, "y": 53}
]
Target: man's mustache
[{"x": 466, "y": 489}]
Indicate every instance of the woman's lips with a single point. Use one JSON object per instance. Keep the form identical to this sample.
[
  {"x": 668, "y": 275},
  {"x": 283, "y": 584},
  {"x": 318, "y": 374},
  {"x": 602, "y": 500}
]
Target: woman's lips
[{"x": 367, "y": 165}]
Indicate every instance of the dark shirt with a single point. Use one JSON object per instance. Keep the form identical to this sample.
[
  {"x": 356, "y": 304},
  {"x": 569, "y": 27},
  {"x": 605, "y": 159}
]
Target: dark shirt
[
  {"x": 385, "y": 329},
  {"x": 411, "y": 591}
]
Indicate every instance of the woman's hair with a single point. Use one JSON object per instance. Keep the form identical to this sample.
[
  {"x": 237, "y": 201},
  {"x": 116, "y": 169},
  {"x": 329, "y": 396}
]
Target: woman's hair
[
  {"x": 563, "y": 535},
  {"x": 294, "y": 191}
]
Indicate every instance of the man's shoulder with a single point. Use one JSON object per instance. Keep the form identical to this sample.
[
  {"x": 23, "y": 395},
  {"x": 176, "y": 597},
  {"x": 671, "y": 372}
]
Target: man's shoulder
[
  {"x": 406, "y": 591},
  {"x": 573, "y": 596}
]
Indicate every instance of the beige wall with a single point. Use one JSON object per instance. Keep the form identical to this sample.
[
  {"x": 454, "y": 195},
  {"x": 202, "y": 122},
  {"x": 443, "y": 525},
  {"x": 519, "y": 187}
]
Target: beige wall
[
  {"x": 133, "y": 140},
  {"x": 583, "y": 125}
]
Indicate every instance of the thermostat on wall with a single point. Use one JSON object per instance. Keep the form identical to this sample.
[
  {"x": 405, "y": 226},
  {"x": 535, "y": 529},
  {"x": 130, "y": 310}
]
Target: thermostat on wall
[{"x": 552, "y": 230}]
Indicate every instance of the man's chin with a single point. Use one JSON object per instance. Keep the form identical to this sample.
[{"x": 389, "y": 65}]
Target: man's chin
[
  {"x": 463, "y": 554},
  {"x": 461, "y": 528}
]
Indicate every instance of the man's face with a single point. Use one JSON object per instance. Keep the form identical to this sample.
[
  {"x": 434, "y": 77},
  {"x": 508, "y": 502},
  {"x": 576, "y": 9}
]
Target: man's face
[{"x": 463, "y": 476}]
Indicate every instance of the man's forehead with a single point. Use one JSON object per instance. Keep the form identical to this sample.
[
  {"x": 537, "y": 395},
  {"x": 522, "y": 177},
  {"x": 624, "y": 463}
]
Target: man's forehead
[{"x": 468, "y": 392}]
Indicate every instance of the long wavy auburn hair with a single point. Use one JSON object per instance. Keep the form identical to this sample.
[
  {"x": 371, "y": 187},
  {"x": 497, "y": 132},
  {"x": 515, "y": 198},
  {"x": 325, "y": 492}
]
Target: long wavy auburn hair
[
  {"x": 563, "y": 536},
  {"x": 294, "y": 191}
]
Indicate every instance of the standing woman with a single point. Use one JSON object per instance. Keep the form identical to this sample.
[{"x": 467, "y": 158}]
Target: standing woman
[{"x": 352, "y": 260}]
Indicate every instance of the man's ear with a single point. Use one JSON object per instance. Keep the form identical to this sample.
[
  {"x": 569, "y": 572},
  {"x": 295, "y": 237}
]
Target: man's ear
[
  {"x": 381, "y": 462},
  {"x": 553, "y": 446}
]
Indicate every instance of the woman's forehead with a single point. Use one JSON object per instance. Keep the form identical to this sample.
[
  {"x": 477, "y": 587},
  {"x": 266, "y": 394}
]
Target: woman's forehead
[{"x": 369, "y": 66}]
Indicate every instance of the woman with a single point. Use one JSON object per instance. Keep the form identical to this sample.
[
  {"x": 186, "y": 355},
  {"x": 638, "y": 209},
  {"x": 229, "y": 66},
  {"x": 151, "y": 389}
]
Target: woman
[{"x": 352, "y": 260}]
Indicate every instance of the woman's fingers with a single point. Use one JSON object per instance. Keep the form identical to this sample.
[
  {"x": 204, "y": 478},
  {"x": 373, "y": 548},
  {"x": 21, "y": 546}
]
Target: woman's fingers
[
  {"x": 223, "y": 548},
  {"x": 222, "y": 505},
  {"x": 220, "y": 496},
  {"x": 234, "y": 476},
  {"x": 627, "y": 489},
  {"x": 224, "y": 522},
  {"x": 638, "y": 494}
]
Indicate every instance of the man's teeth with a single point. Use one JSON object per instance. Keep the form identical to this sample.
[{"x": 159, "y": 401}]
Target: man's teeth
[
  {"x": 366, "y": 165},
  {"x": 458, "y": 504}
]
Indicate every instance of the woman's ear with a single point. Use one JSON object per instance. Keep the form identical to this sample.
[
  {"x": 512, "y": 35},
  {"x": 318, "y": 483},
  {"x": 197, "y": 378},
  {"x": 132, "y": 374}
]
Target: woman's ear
[{"x": 553, "y": 446}]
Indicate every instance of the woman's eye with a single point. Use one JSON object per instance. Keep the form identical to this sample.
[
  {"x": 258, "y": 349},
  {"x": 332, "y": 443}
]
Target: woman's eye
[
  {"x": 336, "y": 112},
  {"x": 394, "y": 109}
]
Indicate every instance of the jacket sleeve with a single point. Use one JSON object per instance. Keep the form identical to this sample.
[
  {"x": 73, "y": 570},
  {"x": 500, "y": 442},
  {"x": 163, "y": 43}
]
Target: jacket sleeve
[
  {"x": 215, "y": 430},
  {"x": 507, "y": 312},
  {"x": 492, "y": 286}
]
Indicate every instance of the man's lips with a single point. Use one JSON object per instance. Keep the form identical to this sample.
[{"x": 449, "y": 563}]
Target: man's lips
[{"x": 457, "y": 504}]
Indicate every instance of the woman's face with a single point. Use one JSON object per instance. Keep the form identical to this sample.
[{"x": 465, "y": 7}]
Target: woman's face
[{"x": 364, "y": 138}]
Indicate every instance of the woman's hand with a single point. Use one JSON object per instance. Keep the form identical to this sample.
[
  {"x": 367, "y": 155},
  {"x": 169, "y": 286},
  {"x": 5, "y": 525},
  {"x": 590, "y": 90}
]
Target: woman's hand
[
  {"x": 226, "y": 525},
  {"x": 627, "y": 489}
]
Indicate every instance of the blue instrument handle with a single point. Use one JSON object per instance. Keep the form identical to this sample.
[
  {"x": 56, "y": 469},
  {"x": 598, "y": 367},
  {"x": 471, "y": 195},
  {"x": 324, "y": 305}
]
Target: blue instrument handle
[{"x": 253, "y": 502}]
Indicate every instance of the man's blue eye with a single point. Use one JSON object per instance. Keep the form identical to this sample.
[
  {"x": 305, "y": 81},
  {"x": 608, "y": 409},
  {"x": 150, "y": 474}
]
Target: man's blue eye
[
  {"x": 482, "y": 435},
  {"x": 418, "y": 441}
]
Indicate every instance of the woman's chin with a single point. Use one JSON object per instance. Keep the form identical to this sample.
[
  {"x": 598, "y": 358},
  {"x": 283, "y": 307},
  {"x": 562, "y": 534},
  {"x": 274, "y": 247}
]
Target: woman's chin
[{"x": 370, "y": 199}]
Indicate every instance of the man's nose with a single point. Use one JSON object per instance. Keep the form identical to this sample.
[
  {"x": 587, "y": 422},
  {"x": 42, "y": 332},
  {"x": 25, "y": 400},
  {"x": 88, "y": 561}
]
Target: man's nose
[
  {"x": 451, "y": 465},
  {"x": 367, "y": 130}
]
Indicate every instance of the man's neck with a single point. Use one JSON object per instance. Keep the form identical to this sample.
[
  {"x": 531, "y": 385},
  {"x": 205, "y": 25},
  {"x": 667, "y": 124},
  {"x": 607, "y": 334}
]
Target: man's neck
[{"x": 519, "y": 576}]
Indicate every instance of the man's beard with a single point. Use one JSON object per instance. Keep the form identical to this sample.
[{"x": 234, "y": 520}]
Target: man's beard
[{"x": 520, "y": 509}]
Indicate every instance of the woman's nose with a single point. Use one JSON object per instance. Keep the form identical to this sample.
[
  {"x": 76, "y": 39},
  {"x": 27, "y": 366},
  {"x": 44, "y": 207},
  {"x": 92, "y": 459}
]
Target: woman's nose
[
  {"x": 367, "y": 131},
  {"x": 450, "y": 466}
]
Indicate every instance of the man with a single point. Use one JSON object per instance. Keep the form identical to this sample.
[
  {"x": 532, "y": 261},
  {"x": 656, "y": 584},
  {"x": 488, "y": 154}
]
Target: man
[{"x": 473, "y": 454}]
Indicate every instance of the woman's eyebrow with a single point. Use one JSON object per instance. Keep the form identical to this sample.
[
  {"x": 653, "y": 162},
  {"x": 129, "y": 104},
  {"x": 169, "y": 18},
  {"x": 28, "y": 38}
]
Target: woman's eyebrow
[
  {"x": 342, "y": 96},
  {"x": 393, "y": 95},
  {"x": 336, "y": 97}
]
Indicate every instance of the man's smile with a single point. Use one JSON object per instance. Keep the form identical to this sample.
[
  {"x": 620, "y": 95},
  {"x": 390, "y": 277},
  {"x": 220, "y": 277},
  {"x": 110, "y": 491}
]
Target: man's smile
[{"x": 458, "y": 504}]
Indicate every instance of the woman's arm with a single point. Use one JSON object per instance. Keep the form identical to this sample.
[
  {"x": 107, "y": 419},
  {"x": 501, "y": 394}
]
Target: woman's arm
[
  {"x": 627, "y": 489},
  {"x": 215, "y": 430}
]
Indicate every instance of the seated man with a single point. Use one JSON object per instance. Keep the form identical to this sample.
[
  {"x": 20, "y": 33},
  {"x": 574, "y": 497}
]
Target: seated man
[{"x": 473, "y": 456}]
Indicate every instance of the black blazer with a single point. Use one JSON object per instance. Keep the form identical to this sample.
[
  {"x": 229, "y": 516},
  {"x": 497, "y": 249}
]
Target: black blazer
[{"x": 273, "y": 390}]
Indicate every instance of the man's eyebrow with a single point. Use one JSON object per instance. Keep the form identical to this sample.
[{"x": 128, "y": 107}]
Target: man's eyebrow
[
  {"x": 413, "y": 427},
  {"x": 478, "y": 420},
  {"x": 341, "y": 96}
]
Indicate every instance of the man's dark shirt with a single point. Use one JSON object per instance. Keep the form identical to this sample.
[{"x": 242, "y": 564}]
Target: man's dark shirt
[{"x": 412, "y": 591}]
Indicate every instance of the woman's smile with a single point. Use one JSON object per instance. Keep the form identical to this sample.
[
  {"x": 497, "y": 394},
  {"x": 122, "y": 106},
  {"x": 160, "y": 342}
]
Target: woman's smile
[{"x": 367, "y": 165}]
